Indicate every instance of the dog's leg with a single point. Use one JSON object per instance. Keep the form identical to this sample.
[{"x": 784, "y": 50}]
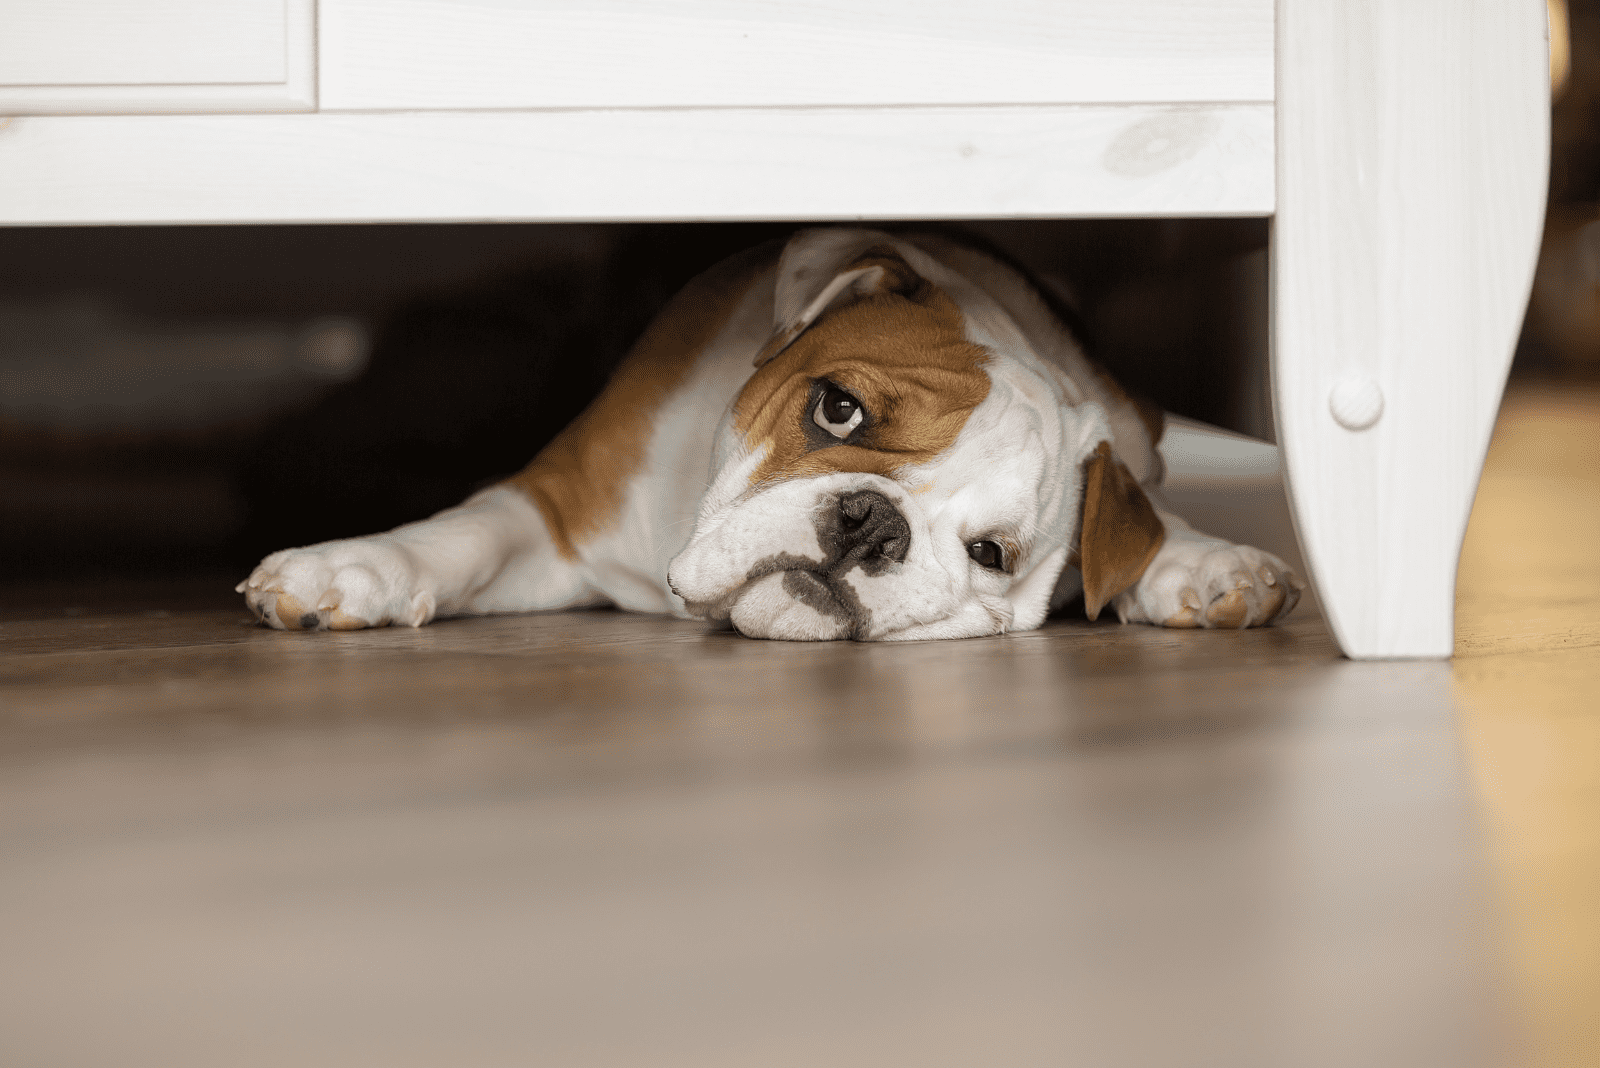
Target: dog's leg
[
  {"x": 492, "y": 554},
  {"x": 1196, "y": 580}
]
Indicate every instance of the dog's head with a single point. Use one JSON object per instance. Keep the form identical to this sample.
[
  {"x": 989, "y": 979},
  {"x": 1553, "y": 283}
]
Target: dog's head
[{"x": 902, "y": 465}]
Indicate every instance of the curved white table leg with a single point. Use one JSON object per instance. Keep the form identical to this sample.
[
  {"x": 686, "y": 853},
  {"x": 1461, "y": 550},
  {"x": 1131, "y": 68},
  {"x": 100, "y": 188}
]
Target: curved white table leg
[{"x": 1413, "y": 142}]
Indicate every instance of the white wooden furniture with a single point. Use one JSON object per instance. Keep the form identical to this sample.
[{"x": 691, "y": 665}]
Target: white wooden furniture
[{"x": 1399, "y": 145}]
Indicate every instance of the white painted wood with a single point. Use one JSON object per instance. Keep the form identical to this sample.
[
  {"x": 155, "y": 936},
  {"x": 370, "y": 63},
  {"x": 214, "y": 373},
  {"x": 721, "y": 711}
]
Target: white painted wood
[
  {"x": 740, "y": 53},
  {"x": 153, "y": 56},
  {"x": 114, "y": 42},
  {"x": 1413, "y": 143},
  {"x": 883, "y": 163}
]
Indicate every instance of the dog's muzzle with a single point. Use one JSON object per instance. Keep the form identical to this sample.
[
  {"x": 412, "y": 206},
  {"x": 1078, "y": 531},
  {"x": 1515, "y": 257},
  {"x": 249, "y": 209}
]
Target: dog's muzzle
[
  {"x": 807, "y": 582},
  {"x": 857, "y": 531}
]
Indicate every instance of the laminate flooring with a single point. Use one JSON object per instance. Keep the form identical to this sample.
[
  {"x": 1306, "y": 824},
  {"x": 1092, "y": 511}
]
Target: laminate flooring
[{"x": 602, "y": 839}]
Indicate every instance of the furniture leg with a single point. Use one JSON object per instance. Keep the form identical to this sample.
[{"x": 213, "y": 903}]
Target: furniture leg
[{"x": 1412, "y": 154}]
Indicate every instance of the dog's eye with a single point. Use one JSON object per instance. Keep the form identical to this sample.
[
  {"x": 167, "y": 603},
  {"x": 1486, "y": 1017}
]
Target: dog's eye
[
  {"x": 837, "y": 412},
  {"x": 988, "y": 554}
]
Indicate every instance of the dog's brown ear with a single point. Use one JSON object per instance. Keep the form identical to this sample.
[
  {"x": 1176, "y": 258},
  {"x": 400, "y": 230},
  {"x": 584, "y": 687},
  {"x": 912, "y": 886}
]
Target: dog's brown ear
[
  {"x": 825, "y": 269},
  {"x": 1121, "y": 531}
]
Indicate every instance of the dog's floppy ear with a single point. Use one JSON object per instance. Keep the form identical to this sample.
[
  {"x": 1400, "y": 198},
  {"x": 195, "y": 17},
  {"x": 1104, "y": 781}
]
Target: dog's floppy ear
[
  {"x": 824, "y": 269},
  {"x": 1121, "y": 531}
]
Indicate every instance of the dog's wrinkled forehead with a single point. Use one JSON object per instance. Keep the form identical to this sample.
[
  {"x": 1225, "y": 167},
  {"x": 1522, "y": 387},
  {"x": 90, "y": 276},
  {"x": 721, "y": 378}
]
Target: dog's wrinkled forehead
[{"x": 858, "y": 325}]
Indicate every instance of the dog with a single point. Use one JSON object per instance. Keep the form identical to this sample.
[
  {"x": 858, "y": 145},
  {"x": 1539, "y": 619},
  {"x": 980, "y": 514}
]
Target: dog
[{"x": 850, "y": 433}]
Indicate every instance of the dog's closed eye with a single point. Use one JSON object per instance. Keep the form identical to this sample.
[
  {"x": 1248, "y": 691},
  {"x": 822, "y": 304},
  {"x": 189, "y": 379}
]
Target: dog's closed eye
[{"x": 838, "y": 412}]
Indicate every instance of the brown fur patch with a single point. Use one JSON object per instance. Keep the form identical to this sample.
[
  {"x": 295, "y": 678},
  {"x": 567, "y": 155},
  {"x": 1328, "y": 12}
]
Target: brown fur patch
[
  {"x": 1121, "y": 531},
  {"x": 905, "y": 356},
  {"x": 578, "y": 481}
]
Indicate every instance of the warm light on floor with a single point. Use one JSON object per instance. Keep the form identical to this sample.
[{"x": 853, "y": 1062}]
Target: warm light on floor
[
  {"x": 1560, "y": 47},
  {"x": 1527, "y": 672}
]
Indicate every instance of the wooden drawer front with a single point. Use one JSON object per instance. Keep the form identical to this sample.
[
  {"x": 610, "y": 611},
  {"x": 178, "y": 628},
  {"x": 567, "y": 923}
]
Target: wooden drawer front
[
  {"x": 64, "y": 56},
  {"x": 630, "y": 165},
  {"x": 106, "y": 42},
  {"x": 377, "y": 54}
]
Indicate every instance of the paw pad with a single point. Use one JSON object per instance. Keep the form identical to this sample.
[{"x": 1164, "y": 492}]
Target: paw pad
[{"x": 1231, "y": 610}]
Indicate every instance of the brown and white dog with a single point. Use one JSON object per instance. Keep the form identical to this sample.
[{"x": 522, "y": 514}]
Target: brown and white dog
[{"x": 854, "y": 434}]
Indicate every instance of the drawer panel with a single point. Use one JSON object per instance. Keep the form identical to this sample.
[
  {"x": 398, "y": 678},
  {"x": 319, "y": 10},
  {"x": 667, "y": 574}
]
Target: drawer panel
[
  {"x": 96, "y": 56},
  {"x": 630, "y": 165},
  {"x": 152, "y": 42},
  {"x": 379, "y": 54}
]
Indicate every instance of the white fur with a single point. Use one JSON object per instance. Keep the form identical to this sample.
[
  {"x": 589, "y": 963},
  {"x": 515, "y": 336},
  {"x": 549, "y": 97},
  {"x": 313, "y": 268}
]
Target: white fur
[{"x": 491, "y": 554}]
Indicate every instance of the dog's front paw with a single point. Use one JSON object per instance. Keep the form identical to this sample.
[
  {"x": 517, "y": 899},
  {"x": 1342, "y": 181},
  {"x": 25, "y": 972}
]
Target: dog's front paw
[
  {"x": 338, "y": 585},
  {"x": 1204, "y": 582}
]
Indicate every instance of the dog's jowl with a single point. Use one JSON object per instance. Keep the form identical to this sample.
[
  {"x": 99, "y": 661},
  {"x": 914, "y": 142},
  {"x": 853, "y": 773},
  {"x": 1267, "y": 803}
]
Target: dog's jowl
[{"x": 851, "y": 434}]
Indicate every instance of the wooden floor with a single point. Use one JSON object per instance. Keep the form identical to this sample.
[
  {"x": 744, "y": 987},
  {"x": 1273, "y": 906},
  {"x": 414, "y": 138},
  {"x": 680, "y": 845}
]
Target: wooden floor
[
  {"x": 599, "y": 839},
  {"x": 1527, "y": 680}
]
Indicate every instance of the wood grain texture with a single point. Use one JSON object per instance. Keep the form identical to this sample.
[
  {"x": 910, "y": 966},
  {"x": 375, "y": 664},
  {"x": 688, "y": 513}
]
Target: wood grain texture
[
  {"x": 105, "y": 57},
  {"x": 491, "y": 840},
  {"x": 737, "y": 53},
  {"x": 847, "y": 163},
  {"x": 1412, "y": 152},
  {"x": 601, "y": 839}
]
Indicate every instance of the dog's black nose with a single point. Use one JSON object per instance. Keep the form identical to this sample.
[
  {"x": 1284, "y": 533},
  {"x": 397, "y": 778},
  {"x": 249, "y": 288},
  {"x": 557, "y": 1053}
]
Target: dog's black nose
[{"x": 872, "y": 529}]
